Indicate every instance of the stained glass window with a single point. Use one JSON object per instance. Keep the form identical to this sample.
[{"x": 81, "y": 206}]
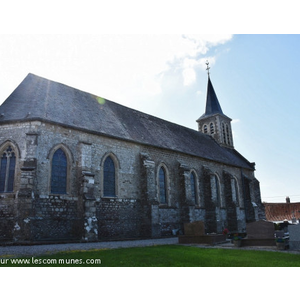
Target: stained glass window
[
  {"x": 3, "y": 172},
  {"x": 109, "y": 178},
  {"x": 217, "y": 190},
  {"x": 59, "y": 172},
  {"x": 234, "y": 188},
  {"x": 11, "y": 172},
  {"x": 7, "y": 170},
  {"x": 193, "y": 187},
  {"x": 162, "y": 186}
]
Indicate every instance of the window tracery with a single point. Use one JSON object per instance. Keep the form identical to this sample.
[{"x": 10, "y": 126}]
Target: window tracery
[
  {"x": 109, "y": 178},
  {"x": 7, "y": 170},
  {"x": 59, "y": 172},
  {"x": 162, "y": 186}
]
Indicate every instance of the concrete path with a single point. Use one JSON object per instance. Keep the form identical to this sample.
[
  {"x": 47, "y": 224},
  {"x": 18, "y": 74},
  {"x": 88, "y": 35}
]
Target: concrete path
[{"x": 36, "y": 250}]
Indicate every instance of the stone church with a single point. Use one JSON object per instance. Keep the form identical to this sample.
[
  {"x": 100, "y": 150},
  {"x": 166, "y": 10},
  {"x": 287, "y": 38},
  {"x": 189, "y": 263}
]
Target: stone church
[{"x": 77, "y": 167}]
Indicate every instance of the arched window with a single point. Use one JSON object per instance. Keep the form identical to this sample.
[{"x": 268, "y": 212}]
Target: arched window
[
  {"x": 216, "y": 193},
  {"x": 212, "y": 128},
  {"x": 7, "y": 170},
  {"x": 59, "y": 172},
  {"x": 235, "y": 193},
  {"x": 218, "y": 190},
  {"x": 162, "y": 186},
  {"x": 205, "y": 128},
  {"x": 109, "y": 178},
  {"x": 193, "y": 187}
]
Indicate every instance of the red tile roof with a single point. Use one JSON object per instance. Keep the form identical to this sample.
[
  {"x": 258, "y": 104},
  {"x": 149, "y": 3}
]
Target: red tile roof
[{"x": 282, "y": 211}]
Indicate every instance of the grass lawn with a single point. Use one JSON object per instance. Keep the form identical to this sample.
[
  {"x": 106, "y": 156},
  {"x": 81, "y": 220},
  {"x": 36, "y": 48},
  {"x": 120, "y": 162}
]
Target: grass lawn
[{"x": 160, "y": 256}]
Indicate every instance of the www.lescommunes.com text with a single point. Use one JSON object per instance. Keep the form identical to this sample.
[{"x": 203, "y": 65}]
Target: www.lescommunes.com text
[{"x": 50, "y": 261}]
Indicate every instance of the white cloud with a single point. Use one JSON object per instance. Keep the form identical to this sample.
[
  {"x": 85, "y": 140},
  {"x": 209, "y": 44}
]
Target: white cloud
[
  {"x": 118, "y": 67},
  {"x": 189, "y": 76},
  {"x": 196, "y": 46}
]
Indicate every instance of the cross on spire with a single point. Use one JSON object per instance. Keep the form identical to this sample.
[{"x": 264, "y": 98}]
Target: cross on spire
[{"x": 207, "y": 67}]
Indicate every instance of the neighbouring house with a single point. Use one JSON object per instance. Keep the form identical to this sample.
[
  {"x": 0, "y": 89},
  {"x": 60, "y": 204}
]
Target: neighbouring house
[
  {"x": 283, "y": 212},
  {"x": 74, "y": 166}
]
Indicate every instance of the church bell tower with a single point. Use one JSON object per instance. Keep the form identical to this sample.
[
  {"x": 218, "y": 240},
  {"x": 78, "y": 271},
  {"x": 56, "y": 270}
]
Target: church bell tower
[{"x": 213, "y": 122}]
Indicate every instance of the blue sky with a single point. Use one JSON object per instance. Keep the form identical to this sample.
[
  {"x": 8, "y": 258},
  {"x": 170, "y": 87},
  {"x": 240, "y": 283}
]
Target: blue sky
[
  {"x": 257, "y": 82},
  {"x": 255, "y": 77}
]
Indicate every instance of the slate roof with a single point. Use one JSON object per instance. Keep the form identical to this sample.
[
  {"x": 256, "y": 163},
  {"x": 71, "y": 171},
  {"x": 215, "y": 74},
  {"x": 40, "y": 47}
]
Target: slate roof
[
  {"x": 278, "y": 212},
  {"x": 212, "y": 103},
  {"x": 37, "y": 98}
]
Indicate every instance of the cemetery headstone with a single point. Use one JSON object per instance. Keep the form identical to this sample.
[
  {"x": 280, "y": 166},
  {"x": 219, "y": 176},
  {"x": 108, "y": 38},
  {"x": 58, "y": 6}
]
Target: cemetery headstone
[
  {"x": 194, "y": 233},
  {"x": 195, "y": 228},
  {"x": 294, "y": 239},
  {"x": 260, "y": 233},
  {"x": 260, "y": 230}
]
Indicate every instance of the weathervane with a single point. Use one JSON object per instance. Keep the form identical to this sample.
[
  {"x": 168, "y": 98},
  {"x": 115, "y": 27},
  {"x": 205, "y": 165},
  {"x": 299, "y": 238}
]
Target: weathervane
[{"x": 207, "y": 67}]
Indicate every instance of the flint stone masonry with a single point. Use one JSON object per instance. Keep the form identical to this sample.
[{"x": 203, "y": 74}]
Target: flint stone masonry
[
  {"x": 136, "y": 211},
  {"x": 39, "y": 220},
  {"x": 138, "y": 220}
]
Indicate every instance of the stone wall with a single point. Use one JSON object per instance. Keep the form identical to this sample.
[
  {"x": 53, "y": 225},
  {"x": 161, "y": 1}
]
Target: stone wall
[
  {"x": 48, "y": 219},
  {"x": 230, "y": 204},
  {"x": 249, "y": 209},
  {"x": 55, "y": 219},
  {"x": 84, "y": 213},
  {"x": 7, "y": 219},
  {"x": 120, "y": 219}
]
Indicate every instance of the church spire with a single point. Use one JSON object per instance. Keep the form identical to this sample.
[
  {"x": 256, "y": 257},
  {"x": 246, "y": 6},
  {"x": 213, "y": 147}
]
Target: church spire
[
  {"x": 212, "y": 103},
  {"x": 213, "y": 121}
]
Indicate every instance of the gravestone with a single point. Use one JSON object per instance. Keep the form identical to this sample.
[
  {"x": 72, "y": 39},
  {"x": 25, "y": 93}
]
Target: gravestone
[
  {"x": 195, "y": 228},
  {"x": 194, "y": 233},
  {"x": 260, "y": 233},
  {"x": 260, "y": 230},
  {"x": 294, "y": 239}
]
